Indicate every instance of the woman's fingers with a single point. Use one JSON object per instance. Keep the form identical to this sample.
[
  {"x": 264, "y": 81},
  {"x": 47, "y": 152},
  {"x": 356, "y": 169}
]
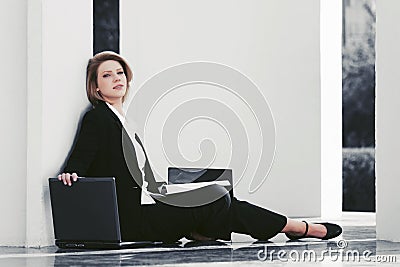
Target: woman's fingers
[
  {"x": 67, "y": 178},
  {"x": 74, "y": 177},
  {"x": 63, "y": 178}
]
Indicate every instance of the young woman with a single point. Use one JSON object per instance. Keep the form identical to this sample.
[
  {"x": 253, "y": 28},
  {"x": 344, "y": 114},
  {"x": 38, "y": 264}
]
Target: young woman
[{"x": 99, "y": 152}]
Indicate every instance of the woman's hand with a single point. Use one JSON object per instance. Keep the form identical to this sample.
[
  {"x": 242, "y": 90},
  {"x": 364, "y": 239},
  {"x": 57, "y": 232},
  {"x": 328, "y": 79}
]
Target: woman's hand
[{"x": 67, "y": 178}]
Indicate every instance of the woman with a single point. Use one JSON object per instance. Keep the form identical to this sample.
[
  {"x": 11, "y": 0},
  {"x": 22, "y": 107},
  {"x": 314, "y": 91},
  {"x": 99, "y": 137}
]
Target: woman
[{"x": 98, "y": 152}]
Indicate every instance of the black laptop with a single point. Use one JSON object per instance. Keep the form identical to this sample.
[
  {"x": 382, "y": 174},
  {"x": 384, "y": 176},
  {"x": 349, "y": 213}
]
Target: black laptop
[{"x": 85, "y": 215}]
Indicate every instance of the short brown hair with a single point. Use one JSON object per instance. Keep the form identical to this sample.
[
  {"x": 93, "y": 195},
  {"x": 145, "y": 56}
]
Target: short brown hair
[{"x": 91, "y": 74}]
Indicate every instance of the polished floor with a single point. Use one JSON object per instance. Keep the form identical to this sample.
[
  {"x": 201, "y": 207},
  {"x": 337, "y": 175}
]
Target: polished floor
[{"x": 357, "y": 246}]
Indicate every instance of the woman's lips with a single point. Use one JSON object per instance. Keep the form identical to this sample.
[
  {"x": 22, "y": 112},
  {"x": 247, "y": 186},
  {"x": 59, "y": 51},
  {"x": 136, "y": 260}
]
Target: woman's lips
[{"x": 118, "y": 87}]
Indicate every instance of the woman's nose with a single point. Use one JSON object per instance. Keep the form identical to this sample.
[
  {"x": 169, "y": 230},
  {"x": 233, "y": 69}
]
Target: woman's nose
[{"x": 116, "y": 78}]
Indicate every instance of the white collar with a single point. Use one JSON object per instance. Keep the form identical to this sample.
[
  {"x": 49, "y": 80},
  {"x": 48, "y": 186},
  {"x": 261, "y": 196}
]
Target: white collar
[{"x": 119, "y": 115}]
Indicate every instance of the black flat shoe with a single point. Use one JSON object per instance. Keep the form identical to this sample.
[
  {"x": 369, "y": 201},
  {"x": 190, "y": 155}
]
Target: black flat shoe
[{"x": 332, "y": 231}]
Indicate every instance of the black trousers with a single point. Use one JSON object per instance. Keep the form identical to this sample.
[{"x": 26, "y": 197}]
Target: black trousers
[{"x": 218, "y": 219}]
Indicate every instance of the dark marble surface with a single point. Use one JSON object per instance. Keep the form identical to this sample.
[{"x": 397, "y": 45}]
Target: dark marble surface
[{"x": 355, "y": 239}]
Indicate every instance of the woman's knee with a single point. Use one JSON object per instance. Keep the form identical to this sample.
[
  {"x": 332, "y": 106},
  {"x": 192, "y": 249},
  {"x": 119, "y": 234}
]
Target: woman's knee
[
  {"x": 223, "y": 202},
  {"x": 227, "y": 199}
]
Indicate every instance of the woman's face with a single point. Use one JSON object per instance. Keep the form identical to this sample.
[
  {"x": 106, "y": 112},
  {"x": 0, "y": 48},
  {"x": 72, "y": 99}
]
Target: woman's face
[{"x": 111, "y": 81}]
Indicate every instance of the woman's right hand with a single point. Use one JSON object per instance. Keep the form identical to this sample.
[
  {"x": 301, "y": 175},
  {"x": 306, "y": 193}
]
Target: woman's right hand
[{"x": 68, "y": 178}]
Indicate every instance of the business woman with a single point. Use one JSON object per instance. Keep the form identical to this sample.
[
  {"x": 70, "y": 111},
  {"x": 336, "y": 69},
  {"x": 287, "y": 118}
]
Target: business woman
[{"x": 98, "y": 151}]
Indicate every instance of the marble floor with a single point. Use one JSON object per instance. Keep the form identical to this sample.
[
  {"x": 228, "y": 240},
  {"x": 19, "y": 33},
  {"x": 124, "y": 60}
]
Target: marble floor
[{"x": 357, "y": 246}]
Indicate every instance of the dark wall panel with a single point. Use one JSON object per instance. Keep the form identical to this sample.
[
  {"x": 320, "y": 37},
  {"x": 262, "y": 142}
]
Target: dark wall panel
[{"x": 105, "y": 25}]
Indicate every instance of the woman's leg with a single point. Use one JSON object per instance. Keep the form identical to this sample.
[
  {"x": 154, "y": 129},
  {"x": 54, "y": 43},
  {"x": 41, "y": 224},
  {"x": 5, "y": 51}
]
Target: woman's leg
[
  {"x": 165, "y": 222},
  {"x": 217, "y": 220},
  {"x": 259, "y": 223},
  {"x": 263, "y": 224}
]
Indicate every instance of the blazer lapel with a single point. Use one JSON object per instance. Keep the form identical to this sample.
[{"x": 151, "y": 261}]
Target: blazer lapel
[
  {"x": 102, "y": 105},
  {"x": 140, "y": 143}
]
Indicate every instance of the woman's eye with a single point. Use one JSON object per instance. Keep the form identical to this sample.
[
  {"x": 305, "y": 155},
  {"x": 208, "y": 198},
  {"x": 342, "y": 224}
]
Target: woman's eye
[
  {"x": 120, "y": 72},
  {"x": 106, "y": 75}
]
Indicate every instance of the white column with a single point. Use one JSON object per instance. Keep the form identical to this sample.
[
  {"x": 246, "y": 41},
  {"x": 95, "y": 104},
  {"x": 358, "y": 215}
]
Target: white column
[
  {"x": 387, "y": 120},
  {"x": 13, "y": 123},
  {"x": 60, "y": 43},
  {"x": 34, "y": 203},
  {"x": 331, "y": 109}
]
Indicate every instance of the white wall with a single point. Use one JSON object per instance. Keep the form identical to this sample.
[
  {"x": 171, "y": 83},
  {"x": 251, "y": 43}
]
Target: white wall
[
  {"x": 13, "y": 120},
  {"x": 276, "y": 43},
  {"x": 331, "y": 109},
  {"x": 387, "y": 120},
  {"x": 59, "y": 48}
]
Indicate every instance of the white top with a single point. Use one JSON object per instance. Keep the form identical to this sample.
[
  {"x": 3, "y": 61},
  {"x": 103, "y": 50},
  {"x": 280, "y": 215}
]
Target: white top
[{"x": 141, "y": 158}]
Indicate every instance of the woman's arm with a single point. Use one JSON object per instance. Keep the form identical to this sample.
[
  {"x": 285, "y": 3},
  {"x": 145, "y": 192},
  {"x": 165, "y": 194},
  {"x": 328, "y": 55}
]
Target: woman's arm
[{"x": 85, "y": 149}]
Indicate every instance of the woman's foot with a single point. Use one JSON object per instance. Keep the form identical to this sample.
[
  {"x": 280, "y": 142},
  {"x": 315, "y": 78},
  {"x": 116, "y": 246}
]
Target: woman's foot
[
  {"x": 317, "y": 230},
  {"x": 324, "y": 231}
]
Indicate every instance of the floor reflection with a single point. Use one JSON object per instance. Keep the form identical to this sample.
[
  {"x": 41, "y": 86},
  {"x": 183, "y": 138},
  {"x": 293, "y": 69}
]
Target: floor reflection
[{"x": 357, "y": 246}]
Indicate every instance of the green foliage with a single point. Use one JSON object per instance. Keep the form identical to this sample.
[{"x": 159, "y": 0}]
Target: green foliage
[{"x": 359, "y": 179}]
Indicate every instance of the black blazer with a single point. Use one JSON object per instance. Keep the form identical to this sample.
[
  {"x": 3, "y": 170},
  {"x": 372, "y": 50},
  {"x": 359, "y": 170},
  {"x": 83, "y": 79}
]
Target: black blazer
[{"x": 98, "y": 152}]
